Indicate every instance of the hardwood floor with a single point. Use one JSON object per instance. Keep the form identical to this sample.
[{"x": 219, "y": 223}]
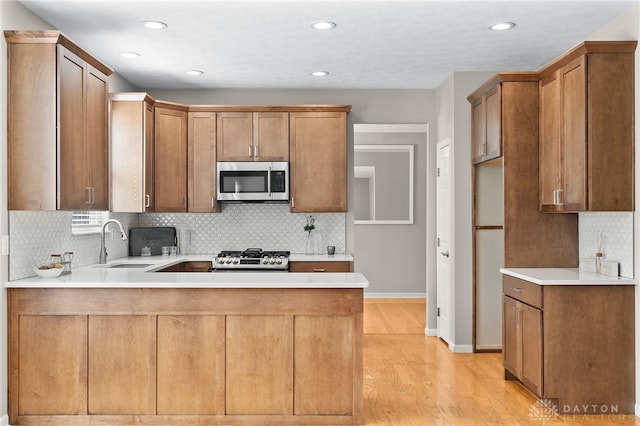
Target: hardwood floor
[{"x": 411, "y": 379}]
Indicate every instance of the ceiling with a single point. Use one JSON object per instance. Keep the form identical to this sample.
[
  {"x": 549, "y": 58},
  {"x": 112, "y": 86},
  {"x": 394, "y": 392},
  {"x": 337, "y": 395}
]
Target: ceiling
[{"x": 270, "y": 44}]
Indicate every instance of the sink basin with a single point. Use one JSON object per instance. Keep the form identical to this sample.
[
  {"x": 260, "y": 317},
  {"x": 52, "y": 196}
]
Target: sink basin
[{"x": 125, "y": 265}]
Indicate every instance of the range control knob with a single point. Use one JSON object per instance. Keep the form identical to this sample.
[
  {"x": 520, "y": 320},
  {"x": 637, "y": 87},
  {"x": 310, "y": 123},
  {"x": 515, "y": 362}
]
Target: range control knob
[
  {"x": 236, "y": 260},
  {"x": 265, "y": 260},
  {"x": 272, "y": 261},
  {"x": 279, "y": 260}
]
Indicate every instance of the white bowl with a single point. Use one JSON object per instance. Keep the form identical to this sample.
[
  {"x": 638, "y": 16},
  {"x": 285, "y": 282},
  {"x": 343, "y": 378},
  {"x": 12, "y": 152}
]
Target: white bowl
[{"x": 48, "y": 273}]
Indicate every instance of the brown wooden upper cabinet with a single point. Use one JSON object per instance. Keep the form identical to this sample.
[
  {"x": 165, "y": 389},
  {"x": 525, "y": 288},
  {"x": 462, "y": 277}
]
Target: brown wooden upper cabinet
[
  {"x": 586, "y": 129},
  {"x": 486, "y": 122},
  {"x": 171, "y": 124},
  {"x": 318, "y": 163},
  {"x": 253, "y": 136},
  {"x": 201, "y": 167},
  {"x": 132, "y": 152},
  {"x": 58, "y": 124}
]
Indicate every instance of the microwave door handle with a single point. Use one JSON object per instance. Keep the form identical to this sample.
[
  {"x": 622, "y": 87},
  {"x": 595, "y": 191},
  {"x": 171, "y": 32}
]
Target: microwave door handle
[{"x": 269, "y": 183}]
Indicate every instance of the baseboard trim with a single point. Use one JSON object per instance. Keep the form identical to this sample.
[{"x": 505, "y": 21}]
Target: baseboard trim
[
  {"x": 461, "y": 349},
  {"x": 637, "y": 409},
  {"x": 395, "y": 295},
  {"x": 431, "y": 332},
  {"x": 4, "y": 420}
]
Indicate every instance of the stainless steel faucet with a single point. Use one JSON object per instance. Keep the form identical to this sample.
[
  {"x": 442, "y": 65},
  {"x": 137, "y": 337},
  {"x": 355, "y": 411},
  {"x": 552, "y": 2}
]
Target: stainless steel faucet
[{"x": 103, "y": 248}]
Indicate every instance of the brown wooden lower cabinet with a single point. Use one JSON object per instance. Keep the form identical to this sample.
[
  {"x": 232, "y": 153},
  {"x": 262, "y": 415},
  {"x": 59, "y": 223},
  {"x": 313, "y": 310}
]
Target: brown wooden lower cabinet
[
  {"x": 320, "y": 266},
  {"x": 185, "y": 356},
  {"x": 571, "y": 344}
]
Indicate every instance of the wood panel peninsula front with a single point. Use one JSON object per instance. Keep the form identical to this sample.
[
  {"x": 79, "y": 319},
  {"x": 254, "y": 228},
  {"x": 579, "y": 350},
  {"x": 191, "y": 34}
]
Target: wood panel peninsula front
[{"x": 130, "y": 346}]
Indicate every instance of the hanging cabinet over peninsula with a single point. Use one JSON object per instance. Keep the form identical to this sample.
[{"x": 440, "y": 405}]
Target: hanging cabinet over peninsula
[{"x": 57, "y": 124}]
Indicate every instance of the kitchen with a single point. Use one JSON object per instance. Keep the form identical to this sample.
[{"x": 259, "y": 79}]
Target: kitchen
[{"x": 387, "y": 106}]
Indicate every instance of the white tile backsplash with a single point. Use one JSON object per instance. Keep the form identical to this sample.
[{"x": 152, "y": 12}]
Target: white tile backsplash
[
  {"x": 35, "y": 235},
  {"x": 239, "y": 226},
  {"x": 617, "y": 243}
]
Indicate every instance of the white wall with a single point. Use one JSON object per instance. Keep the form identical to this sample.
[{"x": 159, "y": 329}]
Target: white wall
[
  {"x": 627, "y": 27},
  {"x": 454, "y": 122}
]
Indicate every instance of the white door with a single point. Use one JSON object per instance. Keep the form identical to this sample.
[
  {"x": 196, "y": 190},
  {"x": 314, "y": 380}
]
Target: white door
[{"x": 444, "y": 288}]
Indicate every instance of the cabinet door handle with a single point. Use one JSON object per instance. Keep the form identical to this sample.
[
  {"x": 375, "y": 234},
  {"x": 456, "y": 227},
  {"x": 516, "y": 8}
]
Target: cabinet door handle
[
  {"x": 518, "y": 290},
  {"x": 293, "y": 202},
  {"x": 255, "y": 151},
  {"x": 250, "y": 151},
  {"x": 213, "y": 200},
  {"x": 319, "y": 270},
  {"x": 184, "y": 202},
  {"x": 90, "y": 195},
  {"x": 148, "y": 200}
]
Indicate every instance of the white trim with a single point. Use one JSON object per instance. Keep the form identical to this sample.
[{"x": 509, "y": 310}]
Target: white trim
[
  {"x": 4, "y": 420},
  {"x": 431, "y": 332},
  {"x": 461, "y": 349},
  {"x": 395, "y": 295},
  {"x": 391, "y": 148},
  {"x": 391, "y": 128},
  {"x": 637, "y": 410}
]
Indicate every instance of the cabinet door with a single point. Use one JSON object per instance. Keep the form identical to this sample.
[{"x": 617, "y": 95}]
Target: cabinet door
[
  {"x": 149, "y": 158},
  {"x": 73, "y": 167},
  {"x": 478, "y": 131},
  {"x": 259, "y": 364},
  {"x": 191, "y": 364},
  {"x": 202, "y": 162},
  {"x": 549, "y": 160},
  {"x": 52, "y": 373},
  {"x": 319, "y": 266},
  {"x": 97, "y": 140},
  {"x": 573, "y": 135},
  {"x": 122, "y": 364},
  {"x": 493, "y": 114},
  {"x": 531, "y": 329},
  {"x": 318, "y": 161},
  {"x": 511, "y": 356},
  {"x": 271, "y": 136},
  {"x": 170, "y": 160},
  {"x": 235, "y": 136},
  {"x": 324, "y": 366}
]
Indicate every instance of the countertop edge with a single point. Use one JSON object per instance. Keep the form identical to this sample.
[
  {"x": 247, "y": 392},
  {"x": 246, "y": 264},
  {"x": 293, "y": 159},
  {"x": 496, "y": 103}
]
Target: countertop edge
[{"x": 564, "y": 276}]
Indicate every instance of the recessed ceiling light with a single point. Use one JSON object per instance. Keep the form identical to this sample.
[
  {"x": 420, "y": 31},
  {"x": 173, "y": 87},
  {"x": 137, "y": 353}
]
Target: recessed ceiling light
[
  {"x": 130, "y": 55},
  {"x": 502, "y": 26},
  {"x": 194, "y": 72},
  {"x": 155, "y": 25},
  {"x": 323, "y": 25},
  {"x": 320, "y": 73}
]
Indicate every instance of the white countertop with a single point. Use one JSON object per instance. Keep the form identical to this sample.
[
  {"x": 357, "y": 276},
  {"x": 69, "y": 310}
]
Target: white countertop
[
  {"x": 103, "y": 276},
  {"x": 564, "y": 276}
]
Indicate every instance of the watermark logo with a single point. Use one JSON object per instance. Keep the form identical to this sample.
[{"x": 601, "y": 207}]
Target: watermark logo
[{"x": 544, "y": 410}]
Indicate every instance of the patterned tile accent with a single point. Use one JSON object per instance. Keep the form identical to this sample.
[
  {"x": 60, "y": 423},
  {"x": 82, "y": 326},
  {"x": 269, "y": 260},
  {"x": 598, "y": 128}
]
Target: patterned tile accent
[
  {"x": 35, "y": 235},
  {"x": 617, "y": 232},
  {"x": 239, "y": 226}
]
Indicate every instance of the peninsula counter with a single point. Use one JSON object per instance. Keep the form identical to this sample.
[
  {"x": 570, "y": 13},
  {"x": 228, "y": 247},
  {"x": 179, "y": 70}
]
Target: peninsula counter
[{"x": 131, "y": 346}]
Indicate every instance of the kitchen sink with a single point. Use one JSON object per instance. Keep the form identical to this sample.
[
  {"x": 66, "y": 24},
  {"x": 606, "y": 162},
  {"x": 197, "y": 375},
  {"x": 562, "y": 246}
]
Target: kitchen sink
[{"x": 125, "y": 265}]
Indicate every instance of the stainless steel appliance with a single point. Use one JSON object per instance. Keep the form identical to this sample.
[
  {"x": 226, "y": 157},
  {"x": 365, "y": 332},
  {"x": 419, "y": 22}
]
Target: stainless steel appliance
[
  {"x": 251, "y": 259},
  {"x": 257, "y": 181}
]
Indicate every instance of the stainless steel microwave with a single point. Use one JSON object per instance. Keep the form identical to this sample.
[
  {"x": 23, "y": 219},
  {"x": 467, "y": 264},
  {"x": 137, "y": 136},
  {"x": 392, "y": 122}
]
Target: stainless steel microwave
[{"x": 253, "y": 181}]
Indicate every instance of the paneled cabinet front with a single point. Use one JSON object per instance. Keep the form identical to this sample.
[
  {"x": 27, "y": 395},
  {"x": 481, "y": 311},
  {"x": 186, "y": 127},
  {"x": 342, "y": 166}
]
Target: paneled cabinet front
[
  {"x": 57, "y": 125},
  {"x": 253, "y": 136},
  {"x": 132, "y": 152},
  {"x": 486, "y": 123},
  {"x": 171, "y": 125},
  {"x": 586, "y": 129},
  {"x": 202, "y": 162},
  {"x": 318, "y": 161},
  {"x": 185, "y": 356}
]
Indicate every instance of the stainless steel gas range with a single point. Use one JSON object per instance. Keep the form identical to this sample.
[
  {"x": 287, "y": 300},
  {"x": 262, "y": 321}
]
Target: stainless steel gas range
[{"x": 251, "y": 259}]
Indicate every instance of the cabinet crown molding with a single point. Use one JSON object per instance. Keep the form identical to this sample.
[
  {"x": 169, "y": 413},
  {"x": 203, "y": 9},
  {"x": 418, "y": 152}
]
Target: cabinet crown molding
[
  {"x": 269, "y": 108},
  {"x": 586, "y": 48},
  {"x": 55, "y": 37},
  {"x": 132, "y": 97}
]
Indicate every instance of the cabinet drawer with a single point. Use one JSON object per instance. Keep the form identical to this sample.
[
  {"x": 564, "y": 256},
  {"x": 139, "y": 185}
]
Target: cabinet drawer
[
  {"x": 522, "y": 290},
  {"x": 320, "y": 266}
]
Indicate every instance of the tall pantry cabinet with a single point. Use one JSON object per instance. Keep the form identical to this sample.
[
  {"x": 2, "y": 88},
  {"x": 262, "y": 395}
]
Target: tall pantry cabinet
[{"x": 57, "y": 124}]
